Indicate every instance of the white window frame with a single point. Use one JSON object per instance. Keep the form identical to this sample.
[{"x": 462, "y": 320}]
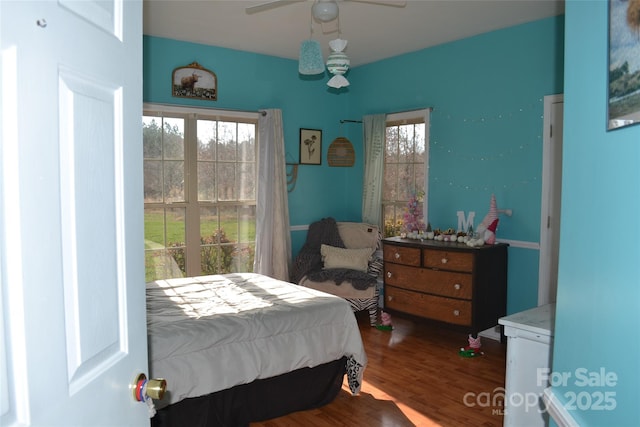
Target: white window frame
[
  {"x": 192, "y": 212},
  {"x": 406, "y": 117}
]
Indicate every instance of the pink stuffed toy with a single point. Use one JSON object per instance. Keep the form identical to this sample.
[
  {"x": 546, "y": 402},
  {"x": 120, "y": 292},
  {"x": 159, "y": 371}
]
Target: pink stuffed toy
[
  {"x": 473, "y": 349},
  {"x": 385, "y": 322}
]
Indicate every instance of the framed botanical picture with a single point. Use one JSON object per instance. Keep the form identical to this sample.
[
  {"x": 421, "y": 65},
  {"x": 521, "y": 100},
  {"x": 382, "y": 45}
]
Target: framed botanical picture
[
  {"x": 623, "y": 107},
  {"x": 310, "y": 146},
  {"x": 194, "y": 81}
]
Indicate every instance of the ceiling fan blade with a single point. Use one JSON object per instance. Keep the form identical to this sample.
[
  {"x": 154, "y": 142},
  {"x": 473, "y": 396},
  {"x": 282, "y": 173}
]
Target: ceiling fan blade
[
  {"x": 394, "y": 3},
  {"x": 269, "y": 5}
]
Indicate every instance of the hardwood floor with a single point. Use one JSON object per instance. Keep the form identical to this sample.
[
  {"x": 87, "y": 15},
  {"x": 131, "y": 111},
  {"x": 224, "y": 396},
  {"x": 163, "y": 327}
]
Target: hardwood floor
[{"x": 415, "y": 377}]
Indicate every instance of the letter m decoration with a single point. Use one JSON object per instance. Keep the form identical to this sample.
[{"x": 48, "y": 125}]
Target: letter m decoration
[{"x": 464, "y": 223}]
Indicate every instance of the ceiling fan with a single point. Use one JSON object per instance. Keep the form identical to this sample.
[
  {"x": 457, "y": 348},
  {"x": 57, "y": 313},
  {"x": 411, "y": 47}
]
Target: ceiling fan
[{"x": 322, "y": 10}]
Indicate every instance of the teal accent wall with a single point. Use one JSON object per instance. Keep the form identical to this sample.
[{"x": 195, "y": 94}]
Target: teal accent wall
[
  {"x": 486, "y": 128},
  {"x": 248, "y": 81},
  {"x": 598, "y": 302}
]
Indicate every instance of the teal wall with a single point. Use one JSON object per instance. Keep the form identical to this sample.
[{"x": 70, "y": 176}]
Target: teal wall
[
  {"x": 250, "y": 82},
  {"x": 598, "y": 302},
  {"x": 486, "y": 128}
]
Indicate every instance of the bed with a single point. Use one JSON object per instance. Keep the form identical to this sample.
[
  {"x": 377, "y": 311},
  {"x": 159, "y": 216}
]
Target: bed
[{"x": 244, "y": 347}]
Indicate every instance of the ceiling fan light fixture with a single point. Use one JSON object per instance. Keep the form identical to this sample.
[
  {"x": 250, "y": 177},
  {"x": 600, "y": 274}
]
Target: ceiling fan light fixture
[
  {"x": 338, "y": 64},
  {"x": 310, "y": 61},
  {"x": 325, "y": 10}
]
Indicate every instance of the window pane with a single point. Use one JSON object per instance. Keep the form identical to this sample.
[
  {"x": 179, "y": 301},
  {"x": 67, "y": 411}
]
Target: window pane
[
  {"x": 243, "y": 257},
  {"x": 210, "y": 238},
  {"x": 152, "y": 181},
  {"x": 175, "y": 226},
  {"x": 159, "y": 264},
  {"x": 406, "y": 181},
  {"x": 173, "y": 138},
  {"x": 247, "y": 224},
  {"x": 220, "y": 252},
  {"x": 154, "y": 228},
  {"x": 391, "y": 145},
  {"x": 247, "y": 182},
  {"x": 164, "y": 243},
  {"x": 419, "y": 143},
  {"x": 227, "y": 137},
  {"x": 390, "y": 182},
  {"x": 208, "y": 224},
  {"x": 226, "y": 182},
  {"x": 152, "y": 138},
  {"x": 405, "y": 143},
  {"x": 174, "y": 181},
  {"x": 392, "y": 220},
  {"x": 247, "y": 142},
  {"x": 176, "y": 240},
  {"x": 228, "y": 240},
  {"x": 419, "y": 182},
  {"x": 229, "y": 223},
  {"x": 206, "y": 130},
  {"x": 206, "y": 181},
  {"x": 210, "y": 256}
]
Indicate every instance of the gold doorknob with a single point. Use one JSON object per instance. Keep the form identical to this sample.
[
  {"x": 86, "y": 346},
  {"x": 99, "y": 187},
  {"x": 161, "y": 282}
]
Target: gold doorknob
[{"x": 143, "y": 388}]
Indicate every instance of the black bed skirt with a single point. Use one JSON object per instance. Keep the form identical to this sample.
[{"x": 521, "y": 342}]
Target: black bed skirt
[{"x": 260, "y": 400}]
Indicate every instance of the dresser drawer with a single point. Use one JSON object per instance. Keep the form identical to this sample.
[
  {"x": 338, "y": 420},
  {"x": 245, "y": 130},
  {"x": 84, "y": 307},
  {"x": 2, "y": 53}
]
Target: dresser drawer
[
  {"x": 445, "y": 283},
  {"x": 448, "y": 260},
  {"x": 430, "y": 306},
  {"x": 404, "y": 276},
  {"x": 448, "y": 284},
  {"x": 402, "y": 255}
]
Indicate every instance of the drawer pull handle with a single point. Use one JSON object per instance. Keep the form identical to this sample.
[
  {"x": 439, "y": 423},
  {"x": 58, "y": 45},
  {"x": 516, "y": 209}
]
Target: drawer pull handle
[
  {"x": 456, "y": 286},
  {"x": 444, "y": 260},
  {"x": 456, "y": 312},
  {"x": 397, "y": 255},
  {"x": 389, "y": 298},
  {"x": 389, "y": 274}
]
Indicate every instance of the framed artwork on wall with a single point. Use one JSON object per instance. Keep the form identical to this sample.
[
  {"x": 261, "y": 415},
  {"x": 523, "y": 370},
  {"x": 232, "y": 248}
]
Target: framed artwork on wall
[
  {"x": 194, "y": 81},
  {"x": 623, "y": 107},
  {"x": 310, "y": 146}
]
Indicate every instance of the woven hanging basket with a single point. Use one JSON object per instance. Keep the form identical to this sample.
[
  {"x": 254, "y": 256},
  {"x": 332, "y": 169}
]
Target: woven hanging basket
[{"x": 341, "y": 153}]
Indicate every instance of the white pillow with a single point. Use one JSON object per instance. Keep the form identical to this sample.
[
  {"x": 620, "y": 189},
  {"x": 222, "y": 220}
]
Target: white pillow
[
  {"x": 354, "y": 259},
  {"x": 356, "y": 235}
]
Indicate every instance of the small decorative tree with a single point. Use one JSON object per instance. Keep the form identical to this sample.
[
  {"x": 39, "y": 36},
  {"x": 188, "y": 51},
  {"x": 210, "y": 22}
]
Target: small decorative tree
[{"x": 413, "y": 216}]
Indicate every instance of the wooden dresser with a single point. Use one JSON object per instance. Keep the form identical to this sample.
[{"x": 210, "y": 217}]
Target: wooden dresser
[{"x": 447, "y": 282}]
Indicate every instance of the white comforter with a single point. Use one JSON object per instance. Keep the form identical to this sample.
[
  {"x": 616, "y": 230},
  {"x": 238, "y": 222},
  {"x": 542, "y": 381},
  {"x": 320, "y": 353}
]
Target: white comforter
[{"x": 211, "y": 333}]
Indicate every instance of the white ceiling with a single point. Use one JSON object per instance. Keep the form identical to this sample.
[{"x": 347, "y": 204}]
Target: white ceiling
[{"x": 374, "y": 32}]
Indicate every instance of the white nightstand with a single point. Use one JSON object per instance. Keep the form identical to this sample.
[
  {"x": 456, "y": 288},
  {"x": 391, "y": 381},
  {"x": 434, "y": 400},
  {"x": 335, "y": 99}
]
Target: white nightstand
[{"x": 529, "y": 341}]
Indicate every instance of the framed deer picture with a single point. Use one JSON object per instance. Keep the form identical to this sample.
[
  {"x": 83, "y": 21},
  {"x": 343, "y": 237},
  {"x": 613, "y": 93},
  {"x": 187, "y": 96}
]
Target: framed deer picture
[{"x": 194, "y": 81}]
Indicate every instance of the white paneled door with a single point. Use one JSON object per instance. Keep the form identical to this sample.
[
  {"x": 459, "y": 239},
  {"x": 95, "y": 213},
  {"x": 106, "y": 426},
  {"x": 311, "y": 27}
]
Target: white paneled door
[
  {"x": 550, "y": 201},
  {"x": 71, "y": 213}
]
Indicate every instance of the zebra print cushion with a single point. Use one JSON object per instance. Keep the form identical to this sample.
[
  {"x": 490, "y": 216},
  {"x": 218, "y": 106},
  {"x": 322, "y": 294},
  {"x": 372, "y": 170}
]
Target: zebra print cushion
[{"x": 375, "y": 267}]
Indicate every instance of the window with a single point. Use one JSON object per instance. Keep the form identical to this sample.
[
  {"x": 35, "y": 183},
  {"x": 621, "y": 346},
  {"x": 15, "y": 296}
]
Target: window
[
  {"x": 405, "y": 171},
  {"x": 199, "y": 192}
]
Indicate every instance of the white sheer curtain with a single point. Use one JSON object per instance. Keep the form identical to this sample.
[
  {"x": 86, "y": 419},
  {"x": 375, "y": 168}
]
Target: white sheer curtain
[
  {"x": 273, "y": 234},
  {"x": 374, "y": 136},
  {"x": 427, "y": 133}
]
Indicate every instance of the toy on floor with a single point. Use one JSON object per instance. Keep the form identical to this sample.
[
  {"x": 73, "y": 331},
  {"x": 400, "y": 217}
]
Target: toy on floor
[
  {"x": 385, "y": 324},
  {"x": 473, "y": 349}
]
